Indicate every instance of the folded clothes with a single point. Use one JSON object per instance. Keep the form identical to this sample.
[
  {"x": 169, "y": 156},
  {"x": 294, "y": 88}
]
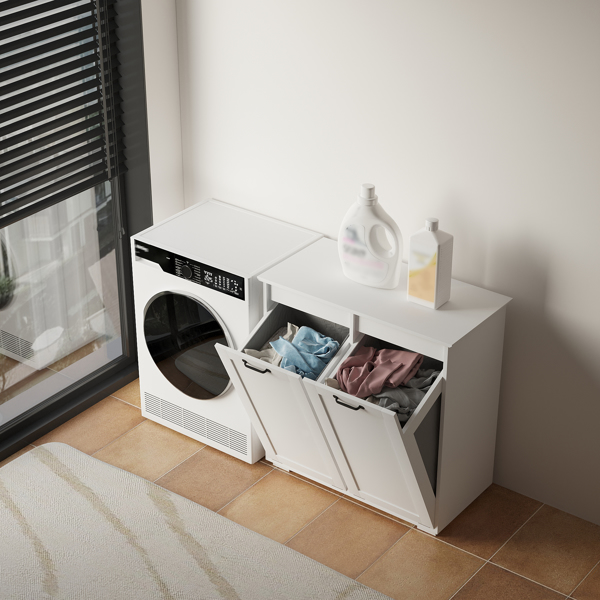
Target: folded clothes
[
  {"x": 307, "y": 354},
  {"x": 368, "y": 371},
  {"x": 404, "y": 399},
  {"x": 267, "y": 353}
]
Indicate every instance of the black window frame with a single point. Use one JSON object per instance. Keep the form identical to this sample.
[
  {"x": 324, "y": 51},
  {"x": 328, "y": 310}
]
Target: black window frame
[{"x": 133, "y": 201}]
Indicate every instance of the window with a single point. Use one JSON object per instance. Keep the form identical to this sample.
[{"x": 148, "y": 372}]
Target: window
[
  {"x": 64, "y": 292},
  {"x": 61, "y": 130}
]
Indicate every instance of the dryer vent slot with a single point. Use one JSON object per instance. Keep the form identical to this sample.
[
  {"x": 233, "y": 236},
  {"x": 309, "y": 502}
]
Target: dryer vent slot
[
  {"x": 238, "y": 442},
  {"x": 16, "y": 345},
  {"x": 196, "y": 424},
  {"x": 217, "y": 432},
  {"x": 152, "y": 404},
  {"x": 172, "y": 413}
]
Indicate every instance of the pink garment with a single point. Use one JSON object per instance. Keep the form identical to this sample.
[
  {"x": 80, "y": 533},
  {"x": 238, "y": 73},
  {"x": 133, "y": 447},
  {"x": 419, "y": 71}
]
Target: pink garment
[{"x": 368, "y": 371}]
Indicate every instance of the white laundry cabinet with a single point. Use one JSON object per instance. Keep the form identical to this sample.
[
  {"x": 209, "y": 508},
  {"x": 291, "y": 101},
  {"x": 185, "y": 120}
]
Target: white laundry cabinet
[{"x": 434, "y": 465}]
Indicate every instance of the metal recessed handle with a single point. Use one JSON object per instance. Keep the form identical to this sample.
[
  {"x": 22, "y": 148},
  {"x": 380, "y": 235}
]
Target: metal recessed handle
[
  {"x": 249, "y": 366},
  {"x": 338, "y": 401}
]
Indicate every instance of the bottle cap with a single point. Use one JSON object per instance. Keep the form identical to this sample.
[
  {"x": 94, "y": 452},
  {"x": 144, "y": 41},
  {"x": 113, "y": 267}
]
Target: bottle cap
[
  {"x": 367, "y": 194},
  {"x": 431, "y": 224}
]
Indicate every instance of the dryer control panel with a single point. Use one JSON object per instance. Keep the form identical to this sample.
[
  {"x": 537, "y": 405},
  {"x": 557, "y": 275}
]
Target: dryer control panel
[{"x": 186, "y": 268}]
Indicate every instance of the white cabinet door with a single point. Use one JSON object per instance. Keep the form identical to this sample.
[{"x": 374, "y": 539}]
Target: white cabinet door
[
  {"x": 380, "y": 462},
  {"x": 282, "y": 416}
]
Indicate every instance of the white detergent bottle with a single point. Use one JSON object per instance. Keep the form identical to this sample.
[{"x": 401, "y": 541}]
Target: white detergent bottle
[
  {"x": 370, "y": 243},
  {"x": 430, "y": 266}
]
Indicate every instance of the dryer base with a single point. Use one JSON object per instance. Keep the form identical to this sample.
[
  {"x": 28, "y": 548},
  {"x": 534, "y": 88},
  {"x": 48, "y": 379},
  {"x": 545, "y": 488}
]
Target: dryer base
[{"x": 243, "y": 444}]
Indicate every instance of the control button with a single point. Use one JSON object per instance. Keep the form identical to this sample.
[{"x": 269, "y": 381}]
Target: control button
[{"x": 186, "y": 271}]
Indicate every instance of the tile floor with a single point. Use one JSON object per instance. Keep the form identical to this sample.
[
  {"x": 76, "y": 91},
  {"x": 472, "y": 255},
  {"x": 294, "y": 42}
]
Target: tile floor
[{"x": 503, "y": 546}]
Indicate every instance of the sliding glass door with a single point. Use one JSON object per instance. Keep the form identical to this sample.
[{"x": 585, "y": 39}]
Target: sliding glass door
[{"x": 64, "y": 290}]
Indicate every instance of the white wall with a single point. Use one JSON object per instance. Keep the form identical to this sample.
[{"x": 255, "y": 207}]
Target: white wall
[
  {"x": 162, "y": 98},
  {"x": 483, "y": 114}
]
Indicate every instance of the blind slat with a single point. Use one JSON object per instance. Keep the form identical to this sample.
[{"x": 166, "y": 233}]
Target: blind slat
[
  {"x": 47, "y": 114},
  {"x": 55, "y": 162},
  {"x": 10, "y": 4},
  {"x": 47, "y": 88},
  {"x": 80, "y": 91},
  {"x": 31, "y": 26},
  {"x": 35, "y": 138},
  {"x": 68, "y": 54},
  {"x": 82, "y": 154},
  {"x": 41, "y": 49},
  {"x": 34, "y": 11},
  {"x": 55, "y": 187},
  {"x": 36, "y": 38},
  {"x": 36, "y": 78},
  {"x": 27, "y": 209},
  {"x": 38, "y": 182},
  {"x": 46, "y": 151}
]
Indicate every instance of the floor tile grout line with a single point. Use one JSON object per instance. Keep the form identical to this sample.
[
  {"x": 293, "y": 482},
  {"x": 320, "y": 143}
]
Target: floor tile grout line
[
  {"x": 242, "y": 492},
  {"x": 469, "y": 579},
  {"x": 389, "y": 518},
  {"x": 179, "y": 464},
  {"x": 529, "y": 579},
  {"x": 575, "y": 588},
  {"x": 311, "y": 521},
  {"x": 295, "y": 476},
  {"x": 489, "y": 561},
  {"x": 382, "y": 555},
  {"x": 343, "y": 496},
  {"x": 95, "y": 451},
  {"x": 485, "y": 562},
  {"x": 515, "y": 533},
  {"x": 125, "y": 402},
  {"x": 451, "y": 545},
  {"x": 119, "y": 437},
  {"x": 514, "y": 572},
  {"x": 334, "y": 493}
]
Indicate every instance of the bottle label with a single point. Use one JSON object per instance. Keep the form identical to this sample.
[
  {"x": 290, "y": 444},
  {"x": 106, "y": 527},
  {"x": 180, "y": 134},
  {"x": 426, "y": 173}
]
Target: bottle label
[
  {"x": 357, "y": 258},
  {"x": 422, "y": 271}
]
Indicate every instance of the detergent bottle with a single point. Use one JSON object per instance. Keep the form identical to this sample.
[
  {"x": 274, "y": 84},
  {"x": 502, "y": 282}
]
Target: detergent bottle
[
  {"x": 430, "y": 266},
  {"x": 370, "y": 243}
]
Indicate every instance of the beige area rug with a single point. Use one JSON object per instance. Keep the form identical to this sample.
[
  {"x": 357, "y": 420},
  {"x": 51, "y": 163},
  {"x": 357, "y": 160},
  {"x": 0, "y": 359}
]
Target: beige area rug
[{"x": 73, "y": 527}]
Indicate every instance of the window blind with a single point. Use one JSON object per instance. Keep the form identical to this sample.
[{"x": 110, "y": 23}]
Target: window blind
[{"x": 60, "y": 127}]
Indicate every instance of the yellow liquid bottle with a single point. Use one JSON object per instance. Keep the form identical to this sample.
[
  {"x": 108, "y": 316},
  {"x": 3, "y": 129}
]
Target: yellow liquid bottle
[{"x": 430, "y": 266}]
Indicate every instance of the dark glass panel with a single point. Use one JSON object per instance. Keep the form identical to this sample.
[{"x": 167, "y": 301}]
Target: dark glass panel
[{"x": 181, "y": 335}]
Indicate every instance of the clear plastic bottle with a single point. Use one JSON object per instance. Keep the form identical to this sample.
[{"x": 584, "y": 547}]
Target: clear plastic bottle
[
  {"x": 370, "y": 243},
  {"x": 430, "y": 265}
]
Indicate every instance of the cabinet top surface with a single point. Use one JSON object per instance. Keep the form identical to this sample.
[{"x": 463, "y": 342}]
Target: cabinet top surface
[
  {"x": 228, "y": 237},
  {"x": 316, "y": 272}
]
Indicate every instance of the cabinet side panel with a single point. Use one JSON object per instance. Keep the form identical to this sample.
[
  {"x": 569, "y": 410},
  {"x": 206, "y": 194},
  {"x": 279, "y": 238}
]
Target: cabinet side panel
[{"x": 469, "y": 418}]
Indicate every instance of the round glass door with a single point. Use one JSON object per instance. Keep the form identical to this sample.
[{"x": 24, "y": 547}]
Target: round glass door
[{"x": 181, "y": 334}]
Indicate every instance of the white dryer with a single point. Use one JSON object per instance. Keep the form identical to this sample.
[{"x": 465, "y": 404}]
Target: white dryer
[{"x": 195, "y": 285}]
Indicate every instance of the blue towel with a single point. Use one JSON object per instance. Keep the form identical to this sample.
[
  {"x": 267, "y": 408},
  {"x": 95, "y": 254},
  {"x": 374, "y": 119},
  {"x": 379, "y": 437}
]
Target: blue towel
[{"x": 307, "y": 354}]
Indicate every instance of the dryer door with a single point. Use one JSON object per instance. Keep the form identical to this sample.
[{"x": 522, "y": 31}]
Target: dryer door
[{"x": 181, "y": 333}]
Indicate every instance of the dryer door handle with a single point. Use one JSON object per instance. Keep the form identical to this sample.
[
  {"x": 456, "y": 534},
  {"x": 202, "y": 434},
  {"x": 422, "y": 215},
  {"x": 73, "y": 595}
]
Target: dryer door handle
[{"x": 249, "y": 366}]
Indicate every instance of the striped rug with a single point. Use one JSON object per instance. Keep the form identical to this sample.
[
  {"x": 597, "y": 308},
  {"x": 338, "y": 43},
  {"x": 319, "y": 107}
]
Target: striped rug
[{"x": 73, "y": 527}]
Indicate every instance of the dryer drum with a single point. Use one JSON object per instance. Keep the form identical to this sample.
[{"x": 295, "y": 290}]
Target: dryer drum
[{"x": 181, "y": 334}]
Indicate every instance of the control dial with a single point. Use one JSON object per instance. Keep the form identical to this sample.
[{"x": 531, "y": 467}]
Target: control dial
[{"x": 186, "y": 271}]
